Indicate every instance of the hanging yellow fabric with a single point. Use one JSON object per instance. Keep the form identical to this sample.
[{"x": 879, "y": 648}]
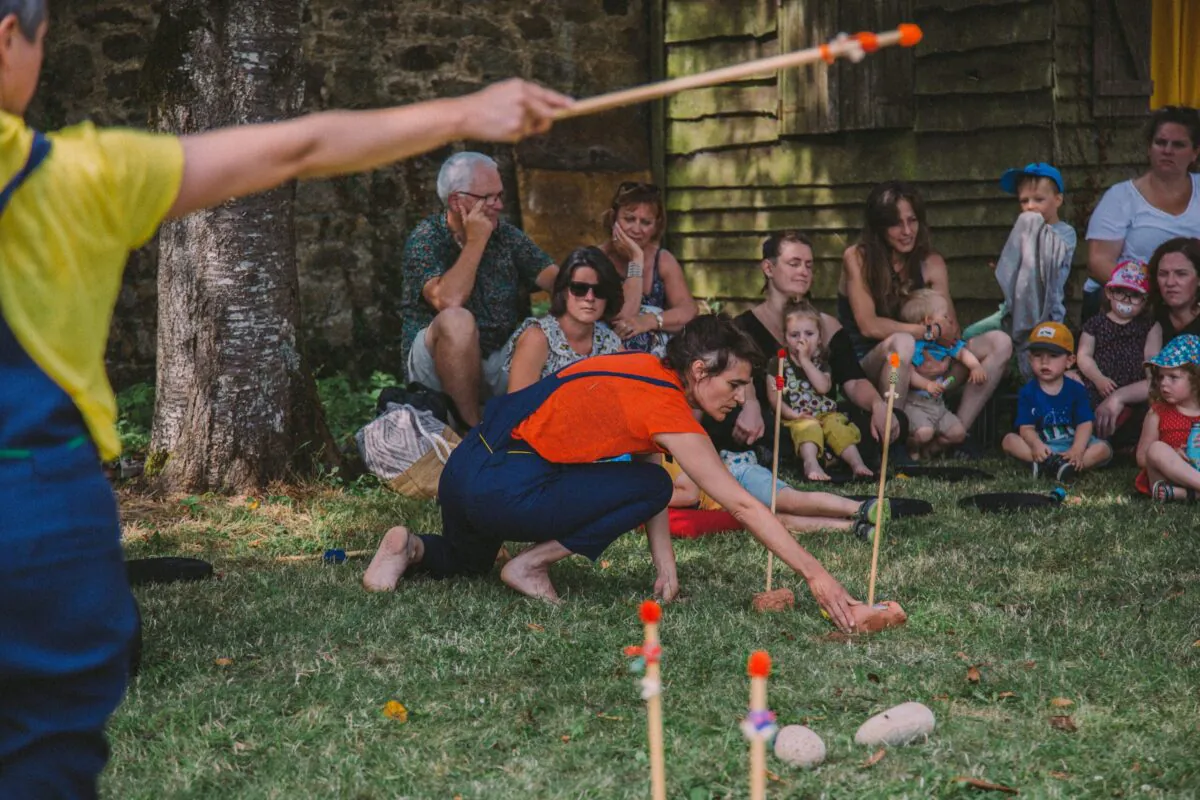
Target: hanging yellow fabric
[{"x": 1174, "y": 67}]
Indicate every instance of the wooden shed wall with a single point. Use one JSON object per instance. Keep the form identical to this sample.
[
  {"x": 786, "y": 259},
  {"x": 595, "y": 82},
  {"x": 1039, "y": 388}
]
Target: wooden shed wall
[{"x": 998, "y": 83}]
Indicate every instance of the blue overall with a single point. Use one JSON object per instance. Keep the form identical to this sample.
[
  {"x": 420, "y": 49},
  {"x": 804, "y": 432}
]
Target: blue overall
[
  {"x": 66, "y": 613},
  {"x": 496, "y": 489}
]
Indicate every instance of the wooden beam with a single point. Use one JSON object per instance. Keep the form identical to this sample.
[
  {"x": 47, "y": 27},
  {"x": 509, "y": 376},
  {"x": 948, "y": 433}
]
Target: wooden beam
[
  {"x": 1020, "y": 68},
  {"x": 988, "y": 26},
  {"x": 685, "y": 137},
  {"x": 974, "y": 112},
  {"x": 758, "y": 98},
  {"x": 690, "y": 59},
  {"x": 696, "y": 20}
]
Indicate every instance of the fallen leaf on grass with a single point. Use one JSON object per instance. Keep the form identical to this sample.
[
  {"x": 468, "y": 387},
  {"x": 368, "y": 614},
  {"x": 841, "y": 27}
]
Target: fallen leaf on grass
[
  {"x": 941, "y": 697},
  {"x": 242, "y": 747},
  {"x": 222, "y": 662},
  {"x": 875, "y": 759},
  {"x": 872, "y": 677},
  {"x": 533, "y": 626},
  {"x": 1062, "y": 776},
  {"x": 961, "y": 656},
  {"x": 610, "y": 717},
  {"x": 1137, "y": 767},
  {"x": 985, "y": 785},
  {"x": 396, "y": 711},
  {"x": 605, "y": 564},
  {"x": 1030, "y": 665},
  {"x": 973, "y": 675},
  {"x": 1006, "y": 695},
  {"x": 774, "y": 777},
  {"x": 1062, "y": 702},
  {"x": 1063, "y": 723},
  {"x": 566, "y": 738},
  {"x": 1196, "y": 643}
]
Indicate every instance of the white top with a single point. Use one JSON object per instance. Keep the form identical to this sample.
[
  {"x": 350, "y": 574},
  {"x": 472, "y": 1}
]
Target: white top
[{"x": 1124, "y": 215}]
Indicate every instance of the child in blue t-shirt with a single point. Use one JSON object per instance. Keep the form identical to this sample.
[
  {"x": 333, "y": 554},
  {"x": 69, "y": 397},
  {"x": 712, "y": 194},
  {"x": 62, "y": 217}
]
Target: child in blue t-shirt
[{"x": 1054, "y": 417}]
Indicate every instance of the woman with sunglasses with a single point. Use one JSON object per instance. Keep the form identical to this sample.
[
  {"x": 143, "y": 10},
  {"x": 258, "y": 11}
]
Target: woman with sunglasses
[
  {"x": 656, "y": 302},
  {"x": 529, "y": 473},
  {"x": 586, "y": 294}
]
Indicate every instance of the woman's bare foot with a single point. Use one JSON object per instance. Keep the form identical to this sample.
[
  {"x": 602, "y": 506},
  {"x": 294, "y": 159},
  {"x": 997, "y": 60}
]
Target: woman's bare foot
[
  {"x": 397, "y": 551},
  {"x": 530, "y": 578},
  {"x": 813, "y": 471}
]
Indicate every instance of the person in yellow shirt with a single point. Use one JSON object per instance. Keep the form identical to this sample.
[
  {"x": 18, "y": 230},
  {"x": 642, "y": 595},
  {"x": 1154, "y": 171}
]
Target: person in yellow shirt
[{"x": 72, "y": 206}]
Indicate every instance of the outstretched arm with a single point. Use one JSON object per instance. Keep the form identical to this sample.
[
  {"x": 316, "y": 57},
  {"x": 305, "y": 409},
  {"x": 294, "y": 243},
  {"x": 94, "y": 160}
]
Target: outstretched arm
[{"x": 233, "y": 162}]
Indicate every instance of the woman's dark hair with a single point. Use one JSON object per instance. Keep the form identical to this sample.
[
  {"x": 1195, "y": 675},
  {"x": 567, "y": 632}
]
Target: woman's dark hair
[
  {"x": 775, "y": 242},
  {"x": 886, "y": 286},
  {"x": 610, "y": 282},
  {"x": 1180, "y": 244},
  {"x": 713, "y": 339},
  {"x": 1180, "y": 115},
  {"x": 634, "y": 193}
]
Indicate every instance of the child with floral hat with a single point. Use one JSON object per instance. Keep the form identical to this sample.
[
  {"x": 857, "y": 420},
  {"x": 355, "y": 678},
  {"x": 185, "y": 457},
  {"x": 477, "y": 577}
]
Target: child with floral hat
[
  {"x": 1169, "y": 450},
  {"x": 1112, "y": 344}
]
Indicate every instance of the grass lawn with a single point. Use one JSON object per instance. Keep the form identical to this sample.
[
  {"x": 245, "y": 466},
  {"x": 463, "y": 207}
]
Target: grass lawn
[{"x": 270, "y": 682}]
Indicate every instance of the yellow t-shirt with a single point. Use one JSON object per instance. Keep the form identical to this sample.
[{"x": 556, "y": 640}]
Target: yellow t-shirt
[{"x": 64, "y": 241}]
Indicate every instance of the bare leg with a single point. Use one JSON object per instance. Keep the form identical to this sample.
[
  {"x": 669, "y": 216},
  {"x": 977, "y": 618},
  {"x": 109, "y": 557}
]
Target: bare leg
[
  {"x": 1096, "y": 454},
  {"x": 1017, "y": 447},
  {"x": 853, "y": 458},
  {"x": 949, "y": 439},
  {"x": 1163, "y": 463},
  {"x": 453, "y": 340},
  {"x": 529, "y": 573},
  {"x": 799, "y": 524},
  {"x": 812, "y": 467},
  {"x": 875, "y": 363},
  {"x": 918, "y": 441},
  {"x": 993, "y": 349},
  {"x": 815, "y": 504},
  {"x": 398, "y": 550}
]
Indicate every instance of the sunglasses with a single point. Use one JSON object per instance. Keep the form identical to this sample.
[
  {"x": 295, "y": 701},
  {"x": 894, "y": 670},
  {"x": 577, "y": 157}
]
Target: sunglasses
[{"x": 581, "y": 288}]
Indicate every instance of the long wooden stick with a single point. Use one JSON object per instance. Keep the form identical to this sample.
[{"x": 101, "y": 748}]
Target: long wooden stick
[
  {"x": 651, "y": 613},
  {"x": 893, "y": 378},
  {"x": 775, "y": 457},
  {"x": 853, "y": 47},
  {"x": 758, "y": 667}
]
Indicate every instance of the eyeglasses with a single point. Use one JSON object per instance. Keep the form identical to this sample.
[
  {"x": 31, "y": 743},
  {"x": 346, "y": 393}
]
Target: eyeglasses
[
  {"x": 488, "y": 199},
  {"x": 1128, "y": 297},
  {"x": 581, "y": 288}
]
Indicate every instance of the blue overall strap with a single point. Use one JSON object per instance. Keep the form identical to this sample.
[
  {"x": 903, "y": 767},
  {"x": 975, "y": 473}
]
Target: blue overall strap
[
  {"x": 503, "y": 414},
  {"x": 37, "y": 154}
]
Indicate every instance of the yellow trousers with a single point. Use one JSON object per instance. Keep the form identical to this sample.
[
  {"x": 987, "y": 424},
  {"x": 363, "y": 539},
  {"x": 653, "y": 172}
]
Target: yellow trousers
[{"x": 833, "y": 430}]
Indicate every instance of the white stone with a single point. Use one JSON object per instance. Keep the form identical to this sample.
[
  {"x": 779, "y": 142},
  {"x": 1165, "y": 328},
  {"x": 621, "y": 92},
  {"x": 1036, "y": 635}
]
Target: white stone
[
  {"x": 897, "y": 726},
  {"x": 799, "y": 746}
]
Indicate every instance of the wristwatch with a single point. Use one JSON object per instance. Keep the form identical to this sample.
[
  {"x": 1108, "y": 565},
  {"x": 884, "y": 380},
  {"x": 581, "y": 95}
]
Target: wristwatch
[{"x": 658, "y": 318}]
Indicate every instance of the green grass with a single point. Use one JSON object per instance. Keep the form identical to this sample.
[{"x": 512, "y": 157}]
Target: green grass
[{"x": 511, "y": 698}]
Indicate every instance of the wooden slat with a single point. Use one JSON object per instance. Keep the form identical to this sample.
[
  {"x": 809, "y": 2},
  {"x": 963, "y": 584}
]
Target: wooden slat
[
  {"x": 687, "y": 59},
  {"x": 962, "y": 5},
  {"x": 1073, "y": 12},
  {"x": 808, "y": 96},
  {"x": 696, "y": 20},
  {"x": 936, "y": 194},
  {"x": 1020, "y": 68},
  {"x": 877, "y": 94},
  {"x": 863, "y": 158},
  {"x": 979, "y": 242},
  {"x": 988, "y": 26},
  {"x": 718, "y": 100},
  {"x": 685, "y": 137},
  {"x": 1081, "y": 146},
  {"x": 982, "y": 112},
  {"x": 998, "y": 209}
]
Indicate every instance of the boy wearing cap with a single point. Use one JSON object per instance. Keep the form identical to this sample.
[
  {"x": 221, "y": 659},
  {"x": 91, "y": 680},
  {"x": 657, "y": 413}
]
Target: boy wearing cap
[
  {"x": 1054, "y": 418},
  {"x": 1039, "y": 189},
  {"x": 1112, "y": 344}
]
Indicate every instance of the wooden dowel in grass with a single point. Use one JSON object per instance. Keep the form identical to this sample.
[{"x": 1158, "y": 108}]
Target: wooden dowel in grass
[{"x": 650, "y": 613}]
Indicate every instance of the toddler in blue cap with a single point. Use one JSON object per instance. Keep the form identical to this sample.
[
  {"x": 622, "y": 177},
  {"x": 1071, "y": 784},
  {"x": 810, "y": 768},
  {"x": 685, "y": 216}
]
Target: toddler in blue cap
[{"x": 1169, "y": 450}]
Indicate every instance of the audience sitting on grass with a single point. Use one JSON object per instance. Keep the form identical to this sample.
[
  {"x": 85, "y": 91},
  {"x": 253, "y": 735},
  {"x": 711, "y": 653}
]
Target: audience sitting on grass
[
  {"x": 1054, "y": 418},
  {"x": 1169, "y": 450},
  {"x": 893, "y": 258}
]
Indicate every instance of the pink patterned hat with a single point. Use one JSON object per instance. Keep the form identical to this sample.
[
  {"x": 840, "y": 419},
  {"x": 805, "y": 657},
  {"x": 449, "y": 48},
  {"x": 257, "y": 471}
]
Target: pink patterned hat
[{"x": 1130, "y": 275}]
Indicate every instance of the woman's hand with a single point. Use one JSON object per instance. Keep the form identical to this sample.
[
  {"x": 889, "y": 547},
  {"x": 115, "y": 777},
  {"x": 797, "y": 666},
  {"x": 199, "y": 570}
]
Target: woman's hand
[
  {"x": 749, "y": 426},
  {"x": 1105, "y": 386},
  {"x": 627, "y": 247},
  {"x": 629, "y": 327},
  {"x": 834, "y": 600},
  {"x": 879, "y": 422},
  {"x": 666, "y": 585},
  {"x": 1106, "y": 415}
]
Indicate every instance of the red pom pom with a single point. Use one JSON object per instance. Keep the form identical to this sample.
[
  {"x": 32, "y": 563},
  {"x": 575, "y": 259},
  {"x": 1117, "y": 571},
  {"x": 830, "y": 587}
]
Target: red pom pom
[
  {"x": 782, "y": 353},
  {"x": 759, "y": 664},
  {"x": 869, "y": 41},
  {"x": 909, "y": 35},
  {"x": 650, "y": 611},
  {"x": 779, "y": 383}
]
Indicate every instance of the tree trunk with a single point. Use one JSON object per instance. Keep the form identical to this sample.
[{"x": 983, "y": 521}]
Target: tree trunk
[{"x": 235, "y": 407}]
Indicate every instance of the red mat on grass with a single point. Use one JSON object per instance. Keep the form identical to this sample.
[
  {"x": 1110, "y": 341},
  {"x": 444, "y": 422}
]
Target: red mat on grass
[{"x": 692, "y": 523}]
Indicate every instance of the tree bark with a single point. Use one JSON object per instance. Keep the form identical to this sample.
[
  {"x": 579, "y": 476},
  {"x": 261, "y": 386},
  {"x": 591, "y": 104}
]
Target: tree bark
[{"x": 235, "y": 407}]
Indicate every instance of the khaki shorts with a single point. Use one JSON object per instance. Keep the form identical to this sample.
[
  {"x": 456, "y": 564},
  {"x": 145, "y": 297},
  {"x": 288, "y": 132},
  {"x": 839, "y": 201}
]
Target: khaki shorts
[
  {"x": 925, "y": 412},
  {"x": 420, "y": 368}
]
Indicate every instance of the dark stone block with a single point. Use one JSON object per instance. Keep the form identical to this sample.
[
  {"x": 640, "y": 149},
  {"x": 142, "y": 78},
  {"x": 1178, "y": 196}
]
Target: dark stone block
[
  {"x": 492, "y": 61},
  {"x": 426, "y": 57},
  {"x": 123, "y": 84},
  {"x": 551, "y": 68},
  {"x": 108, "y": 16},
  {"x": 535, "y": 28},
  {"x": 71, "y": 70},
  {"x": 616, "y": 8},
  {"x": 460, "y": 27},
  {"x": 124, "y": 46},
  {"x": 581, "y": 13}
]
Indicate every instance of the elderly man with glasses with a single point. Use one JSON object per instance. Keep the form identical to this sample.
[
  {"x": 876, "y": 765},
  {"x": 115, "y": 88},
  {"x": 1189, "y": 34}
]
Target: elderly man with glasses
[{"x": 467, "y": 278}]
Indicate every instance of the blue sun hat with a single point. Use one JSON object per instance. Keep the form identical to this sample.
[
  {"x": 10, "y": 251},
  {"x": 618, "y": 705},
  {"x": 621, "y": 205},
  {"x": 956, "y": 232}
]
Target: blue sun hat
[{"x": 1180, "y": 351}]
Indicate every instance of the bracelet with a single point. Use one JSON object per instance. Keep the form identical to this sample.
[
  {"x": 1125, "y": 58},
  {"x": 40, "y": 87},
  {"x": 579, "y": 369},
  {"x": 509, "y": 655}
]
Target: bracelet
[
  {"x": 634, "y": 271},
  {"x": 658, "y": 317}
]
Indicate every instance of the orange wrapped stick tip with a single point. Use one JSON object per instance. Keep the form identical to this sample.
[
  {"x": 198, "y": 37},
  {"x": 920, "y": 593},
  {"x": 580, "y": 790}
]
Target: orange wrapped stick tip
[
  {"x": 650, "y": 611},
  {"x": 759, "y": 664},
  {"x": 909, "y": 34},
  {"x": 894, "y": 360},
  {"x": 868, "y": 40}
]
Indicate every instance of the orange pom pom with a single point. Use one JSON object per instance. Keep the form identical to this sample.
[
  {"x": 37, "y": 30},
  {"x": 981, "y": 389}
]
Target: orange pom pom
[
  {"x": 650, "y": 611},
  {"x": 868, "y": 40},
  {"x": 782, "y": 353},
  {"x": 759, "y": 664},
  {"x": 910, "y": 34},
  {"x": 894, "y": 360}
]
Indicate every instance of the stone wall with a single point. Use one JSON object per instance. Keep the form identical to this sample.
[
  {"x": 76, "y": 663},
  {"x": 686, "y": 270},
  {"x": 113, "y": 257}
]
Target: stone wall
[{"x": 365, "y": 54}]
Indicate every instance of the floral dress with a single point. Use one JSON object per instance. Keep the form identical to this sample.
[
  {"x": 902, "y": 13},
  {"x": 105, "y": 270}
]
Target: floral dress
[
  {"x": 800, "y": 396},
  {"x": 604, "y": 342}
]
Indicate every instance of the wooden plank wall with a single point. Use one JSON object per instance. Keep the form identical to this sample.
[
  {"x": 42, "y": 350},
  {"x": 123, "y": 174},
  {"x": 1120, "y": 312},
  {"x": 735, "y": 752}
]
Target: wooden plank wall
[{"x": 985, "y": 100}]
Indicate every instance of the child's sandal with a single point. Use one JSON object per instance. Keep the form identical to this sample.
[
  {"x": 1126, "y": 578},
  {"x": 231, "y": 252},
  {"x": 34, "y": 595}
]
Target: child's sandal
[{"x": 1163, "y": 491}]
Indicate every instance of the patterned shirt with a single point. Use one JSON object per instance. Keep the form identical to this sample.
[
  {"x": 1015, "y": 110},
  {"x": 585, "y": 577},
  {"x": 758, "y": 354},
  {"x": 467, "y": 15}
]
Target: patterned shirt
[
  {"x": 1118, "y": 351},
  {"x": 561, "y": 354},
  {"x": 800, "y": 396},
  {"x": 507, "y": 274}
]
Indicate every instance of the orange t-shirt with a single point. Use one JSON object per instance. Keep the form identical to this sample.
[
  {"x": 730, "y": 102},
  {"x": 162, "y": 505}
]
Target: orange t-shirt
[{"x": 604, "y": 416}]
